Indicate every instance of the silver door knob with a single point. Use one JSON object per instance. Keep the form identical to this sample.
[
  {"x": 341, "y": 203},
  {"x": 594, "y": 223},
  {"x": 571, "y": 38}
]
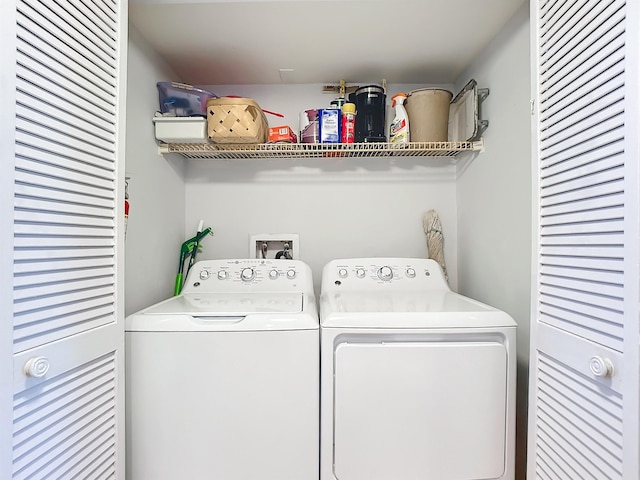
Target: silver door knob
[{"x": 36, "y": 367}]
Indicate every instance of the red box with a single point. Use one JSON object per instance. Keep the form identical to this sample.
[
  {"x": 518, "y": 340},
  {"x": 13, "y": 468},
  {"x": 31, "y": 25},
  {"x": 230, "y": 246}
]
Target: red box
[{"x": 282, "y": 134}]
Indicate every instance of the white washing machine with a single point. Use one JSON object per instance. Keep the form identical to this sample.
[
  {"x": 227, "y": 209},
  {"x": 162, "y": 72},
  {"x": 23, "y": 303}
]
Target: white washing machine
[
  {"x": 223, "y": 380},
  {"x": 417, "y": 382}
]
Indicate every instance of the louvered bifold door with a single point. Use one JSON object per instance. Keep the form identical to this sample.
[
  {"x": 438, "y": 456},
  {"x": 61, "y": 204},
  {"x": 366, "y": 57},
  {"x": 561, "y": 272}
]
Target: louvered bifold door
[
  {"x": 584, "y": 225},
  {"x": 67, "y": 332}
]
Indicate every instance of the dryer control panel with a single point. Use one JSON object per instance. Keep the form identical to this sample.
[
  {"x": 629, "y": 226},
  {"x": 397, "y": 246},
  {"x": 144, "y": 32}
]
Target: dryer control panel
[
  {"x": 259, "y": 275},
  {"x": 382, "y": 273}
]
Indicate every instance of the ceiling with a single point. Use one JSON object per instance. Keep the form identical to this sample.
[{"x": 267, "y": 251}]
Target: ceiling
[{"x": 244, "y": 42}]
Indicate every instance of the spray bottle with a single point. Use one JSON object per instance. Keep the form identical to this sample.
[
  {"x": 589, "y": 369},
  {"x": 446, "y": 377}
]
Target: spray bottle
[
  {"x": 348, "y": 122},
  {"x": 399, "y": 130}
]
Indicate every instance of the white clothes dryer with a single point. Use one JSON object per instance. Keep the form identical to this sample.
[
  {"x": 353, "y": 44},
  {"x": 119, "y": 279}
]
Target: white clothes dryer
[
  {"x": 417, "y": 382},
  {"x": 223, "y": 380}
]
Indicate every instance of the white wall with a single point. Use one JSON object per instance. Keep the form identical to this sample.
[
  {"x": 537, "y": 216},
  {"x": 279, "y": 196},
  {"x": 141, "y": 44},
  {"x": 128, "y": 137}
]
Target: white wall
[
  {"x": 494, "y": 197},
  {"x": 156, "y": 188},
  {"x": 340, "y": 207},
  {"x": 344, "y": 207}
]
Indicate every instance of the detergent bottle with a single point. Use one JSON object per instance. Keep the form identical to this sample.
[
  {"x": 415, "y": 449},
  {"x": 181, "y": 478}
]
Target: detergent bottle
[{"x": 399, "y": 130}]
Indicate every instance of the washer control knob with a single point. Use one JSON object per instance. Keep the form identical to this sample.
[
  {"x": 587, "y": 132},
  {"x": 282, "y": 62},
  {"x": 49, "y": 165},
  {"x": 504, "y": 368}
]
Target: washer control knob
[
  {"x": 222, "y": 275},
  {"x": 204, "y": 274},
  {"x": 385, "y": 273},
  {"x": 361, "y": 272},
  {"x": 273, "y": 274},
  {"x": 342, "y": 273},
  {"x": 411, "y": 273},
  {"x": 36, "y": 367},
  {"x": 601, "y": 367},
  {"x": 247, "y": 274},
  {"x": 291, "y": 274}
]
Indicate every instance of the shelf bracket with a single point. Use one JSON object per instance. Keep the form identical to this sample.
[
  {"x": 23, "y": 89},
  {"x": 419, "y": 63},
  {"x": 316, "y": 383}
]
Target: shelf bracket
[
  {"x": 482, "y": 126},
  {"x": 483, "y": 93}
]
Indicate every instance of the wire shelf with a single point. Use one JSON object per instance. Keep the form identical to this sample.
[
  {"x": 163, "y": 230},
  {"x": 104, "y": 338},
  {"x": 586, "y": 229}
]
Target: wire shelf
[{"x": 315, "y": 150}]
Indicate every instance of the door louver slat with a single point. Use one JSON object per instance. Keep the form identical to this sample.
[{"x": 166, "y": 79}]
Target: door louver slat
[
  {"x": 89, "y": 315},
  {"x": 40, "y": 279},
  {"x": 90, "y": 283},
  {"x": 55, "y": 205},
  {"x": 63, "y": 195},
  {"x": 36, "y": 166}
]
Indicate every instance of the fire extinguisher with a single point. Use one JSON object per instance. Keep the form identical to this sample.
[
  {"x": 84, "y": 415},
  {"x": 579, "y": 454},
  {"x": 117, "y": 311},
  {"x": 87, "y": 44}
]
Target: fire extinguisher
[{"x": 126, "y": 205}]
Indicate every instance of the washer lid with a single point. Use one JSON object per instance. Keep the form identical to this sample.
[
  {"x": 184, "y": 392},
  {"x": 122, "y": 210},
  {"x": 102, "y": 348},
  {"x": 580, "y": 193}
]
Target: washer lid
[
  {"x": 408, "y": 309},
  {"x": 228, "y": 304},
  {"x": 401, "y": 302}
]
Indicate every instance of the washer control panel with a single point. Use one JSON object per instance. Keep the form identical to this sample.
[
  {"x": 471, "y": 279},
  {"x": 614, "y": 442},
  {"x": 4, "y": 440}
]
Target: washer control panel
[
  {"x": 244, "y": 274},
  {"x": 365, "y": 273}
]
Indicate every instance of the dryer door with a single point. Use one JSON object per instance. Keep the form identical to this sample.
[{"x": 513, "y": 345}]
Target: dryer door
[{"x": 416, "y": 410}]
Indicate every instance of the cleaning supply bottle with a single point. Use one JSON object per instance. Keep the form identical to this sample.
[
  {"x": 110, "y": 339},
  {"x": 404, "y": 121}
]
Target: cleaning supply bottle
[
  {"x": 399, "y": 130},
  {"x": 348, "y": 122}
]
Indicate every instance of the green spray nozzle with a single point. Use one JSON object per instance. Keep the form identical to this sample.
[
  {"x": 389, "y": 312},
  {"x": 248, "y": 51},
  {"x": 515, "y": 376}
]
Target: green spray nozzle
[{"x": 189, "y": 248}]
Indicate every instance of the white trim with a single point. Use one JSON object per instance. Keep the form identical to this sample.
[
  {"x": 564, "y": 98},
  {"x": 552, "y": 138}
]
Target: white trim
[
  {"x": 121, "y": 129},
  {"x": 7, "y": 146},
  {"x": 535, "y": 235},
  {"x": 631, "y": 393}
]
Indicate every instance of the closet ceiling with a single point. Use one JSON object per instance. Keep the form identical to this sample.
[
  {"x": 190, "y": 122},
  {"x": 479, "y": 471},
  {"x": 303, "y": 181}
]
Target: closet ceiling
[{"x": 319, "y": 41}]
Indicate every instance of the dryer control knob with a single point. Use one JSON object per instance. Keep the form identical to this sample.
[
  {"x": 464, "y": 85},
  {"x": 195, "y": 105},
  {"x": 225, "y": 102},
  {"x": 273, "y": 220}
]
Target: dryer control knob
[
  {"x": 385, "y": 273},
  {"x": 223, "y": 275},
  {"x": 342, "y": 273},
  {"x": 411, "y": 273},
  {"x": 361, "y": 272},
  {"x": 291, "y": 274},
  {"x": 204, "y": 274},
  {"x": 247, "y": 274},
  {"x": 273, "y": 274}
]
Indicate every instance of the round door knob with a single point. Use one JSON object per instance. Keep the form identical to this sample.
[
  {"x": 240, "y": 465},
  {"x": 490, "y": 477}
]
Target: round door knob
[
  {"x": 36, "y": 367},
  {"x": 601, "y": 367},
  {"x": 360, "y": 273},
  {"x": 385, "y": 273},
  {"x": 247, "y": 274}
]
